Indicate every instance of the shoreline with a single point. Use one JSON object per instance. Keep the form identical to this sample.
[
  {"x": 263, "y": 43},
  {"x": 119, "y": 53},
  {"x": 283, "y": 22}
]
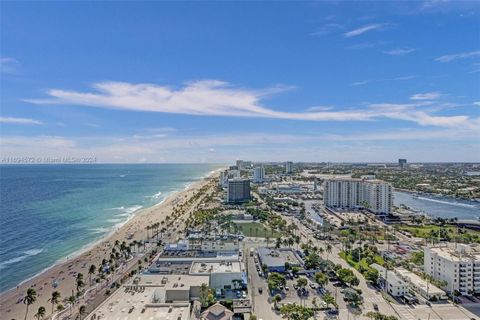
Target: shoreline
[
  {"x": 114, "y": 228},
  {"x": 436, "y": 195},
  {"x": 81, "y": 259}
]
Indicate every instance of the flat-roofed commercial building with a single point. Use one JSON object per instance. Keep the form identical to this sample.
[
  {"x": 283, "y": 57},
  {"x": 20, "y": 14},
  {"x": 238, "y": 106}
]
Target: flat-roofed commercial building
[
  {"x": 275, "y": 259},
  {"x": 223, "y": 275},
  {"x": 174, "y": 287},
  {"x": 152, "y": 297},
  {"x": 374, "y": 195},
  {"x": 459, "y": 267}
]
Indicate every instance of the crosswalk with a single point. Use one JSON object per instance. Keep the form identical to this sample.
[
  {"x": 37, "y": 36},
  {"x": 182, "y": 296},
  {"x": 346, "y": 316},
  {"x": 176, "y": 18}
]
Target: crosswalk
[
  {"x": 374, "y": 299},
  {"x": 404, "y": 313}
]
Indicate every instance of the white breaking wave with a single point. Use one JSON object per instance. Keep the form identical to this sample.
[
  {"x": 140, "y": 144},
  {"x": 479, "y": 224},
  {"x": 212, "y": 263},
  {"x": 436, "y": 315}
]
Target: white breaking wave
[
  {"x": 132, "y": 209},
  {"x": 26, "y": 254},
  {"x": 448, "y": 202},
  {"x": 157, "y": 195},
  {"x": 100, "y": 230}
]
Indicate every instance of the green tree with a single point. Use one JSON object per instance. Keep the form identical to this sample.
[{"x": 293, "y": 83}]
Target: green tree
[
  {"x": 329, "y": 299},
  {"x": 321, "y": 278},
  {"x": 372, "y": 275},
  {"x": 91, "y": 271},
  {"x": 204, "y": 295},
  {"x": 82, "y": 311},
  {"x": 275, "y": 280},
  {"x": 54, "y": 299},
  {"x": 40, "y": 313},
  {"x": 29, "y": 299},
  {"x": 276, "y": 299},
  {"x": 302, "y": 282}
]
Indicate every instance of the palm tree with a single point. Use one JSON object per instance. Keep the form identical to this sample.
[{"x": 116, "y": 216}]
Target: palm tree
[
  {"x": 54, "y": 299},
  {"x": 91, "y": 271},
  {"x": 80, "y": 282},
  {"x": 320, "y": 251},
  {"x": 40, "y": 313},
  {"x": 29, "y": 299},
  {"x": 82, "y": 311},
  {"x": 328, "y": 249},
  {"x": 72, "y": 300},
  {"x": 148, "y": 229},
  {"x": 276, "y": 299}
]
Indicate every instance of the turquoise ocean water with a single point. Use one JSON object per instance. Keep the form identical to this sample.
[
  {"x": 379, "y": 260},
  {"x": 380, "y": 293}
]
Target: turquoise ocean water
[{"x": 49, "y": 212}]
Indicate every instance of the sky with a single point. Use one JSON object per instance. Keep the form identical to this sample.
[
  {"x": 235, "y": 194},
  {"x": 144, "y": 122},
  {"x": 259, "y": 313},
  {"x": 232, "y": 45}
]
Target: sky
[{"x": 130, "y": 82}]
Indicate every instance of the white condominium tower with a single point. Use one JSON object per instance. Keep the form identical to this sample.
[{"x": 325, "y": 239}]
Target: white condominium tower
[
  {"x": 458, "y": 267},
  {"x": 259, "y": 174},
  {"x": 375, "y": 195},
  {"x": 288, "y": 167}
]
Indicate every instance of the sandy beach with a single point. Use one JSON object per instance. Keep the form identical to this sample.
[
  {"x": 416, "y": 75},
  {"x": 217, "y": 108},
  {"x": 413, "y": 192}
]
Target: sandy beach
[{"x": 11, "y": 304}]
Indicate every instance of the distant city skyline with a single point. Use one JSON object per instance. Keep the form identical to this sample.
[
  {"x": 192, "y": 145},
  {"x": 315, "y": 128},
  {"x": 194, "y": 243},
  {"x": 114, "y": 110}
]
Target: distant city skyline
[{"x": 261, "y": 81}]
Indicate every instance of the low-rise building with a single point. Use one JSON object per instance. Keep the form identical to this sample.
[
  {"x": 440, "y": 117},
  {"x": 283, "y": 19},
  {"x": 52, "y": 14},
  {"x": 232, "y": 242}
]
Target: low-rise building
[
  {"x": 421, "y": 286},
  {"x": 275, "y": 259},
  {"x": 217, "y": 312},
  {"x": 223, "y": 275},
  {"x": 395, "y": 285},
  {"x": 174, "y": 287},
  {"x": 151, "y": 297}
]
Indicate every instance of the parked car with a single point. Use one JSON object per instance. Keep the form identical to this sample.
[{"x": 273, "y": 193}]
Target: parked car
[
  {"x": 312, "y": 285},
  {"x": 375, "y": 307},
  {"x": 333, "y": 312},
  {"x": 244, "y": 295},
  {"x": 260, "y": 290}
]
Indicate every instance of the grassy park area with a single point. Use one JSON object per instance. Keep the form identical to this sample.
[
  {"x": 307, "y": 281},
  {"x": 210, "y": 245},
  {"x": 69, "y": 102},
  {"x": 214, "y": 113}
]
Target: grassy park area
[
  {"x": 448, "y": 232},
  {"x": 256, "y": 229}
]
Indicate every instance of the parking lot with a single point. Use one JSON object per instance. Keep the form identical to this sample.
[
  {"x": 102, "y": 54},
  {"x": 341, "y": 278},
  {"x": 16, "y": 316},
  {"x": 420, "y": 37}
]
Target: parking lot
[{"x": 262, "y": 298}]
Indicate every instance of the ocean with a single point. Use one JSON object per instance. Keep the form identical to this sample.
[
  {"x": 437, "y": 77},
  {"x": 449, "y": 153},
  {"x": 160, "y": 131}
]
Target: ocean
[
  {"x": 50, "y": 212},
  {"x": 443, "y": 207}
]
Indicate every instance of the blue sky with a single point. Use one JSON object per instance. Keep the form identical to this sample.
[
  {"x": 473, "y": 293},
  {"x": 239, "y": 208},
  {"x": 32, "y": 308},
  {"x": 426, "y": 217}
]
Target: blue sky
[{"x": 214, "y": 82}]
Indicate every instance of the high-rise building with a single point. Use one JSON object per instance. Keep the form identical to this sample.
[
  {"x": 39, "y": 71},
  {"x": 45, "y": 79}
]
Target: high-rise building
[
  {"x": 240, "y": 165},
  {"x": 374, "y": 195},
  {"x": 238, "y": 190},
  {"x": 258, "y": 174},
  {"x": 288, "y": 167},
  {"x": 459, "y": 267},
  {"x": 402, "y": 163}
]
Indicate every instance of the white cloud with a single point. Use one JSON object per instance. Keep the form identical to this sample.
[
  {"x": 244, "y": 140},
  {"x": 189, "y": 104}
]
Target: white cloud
[
  {"x": 458, "y": 56},
  {"x": 328, "y": 28},
  {"x": 217, "y": 98},
  {"x": 12, "y": 120},
  {"x": 399, "y": 51},
  {"x": 8, "y": 65},
  {"x": 362, "y": 30},
  {"x": 359, "y": 83},
  {"x": 402, "y": 78},
  {"x": 196, "y": 98},
  {"x": 477, "y": 103},
  {"x": 321, "y": 108},
  {"x": 426, "y": 96}
]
